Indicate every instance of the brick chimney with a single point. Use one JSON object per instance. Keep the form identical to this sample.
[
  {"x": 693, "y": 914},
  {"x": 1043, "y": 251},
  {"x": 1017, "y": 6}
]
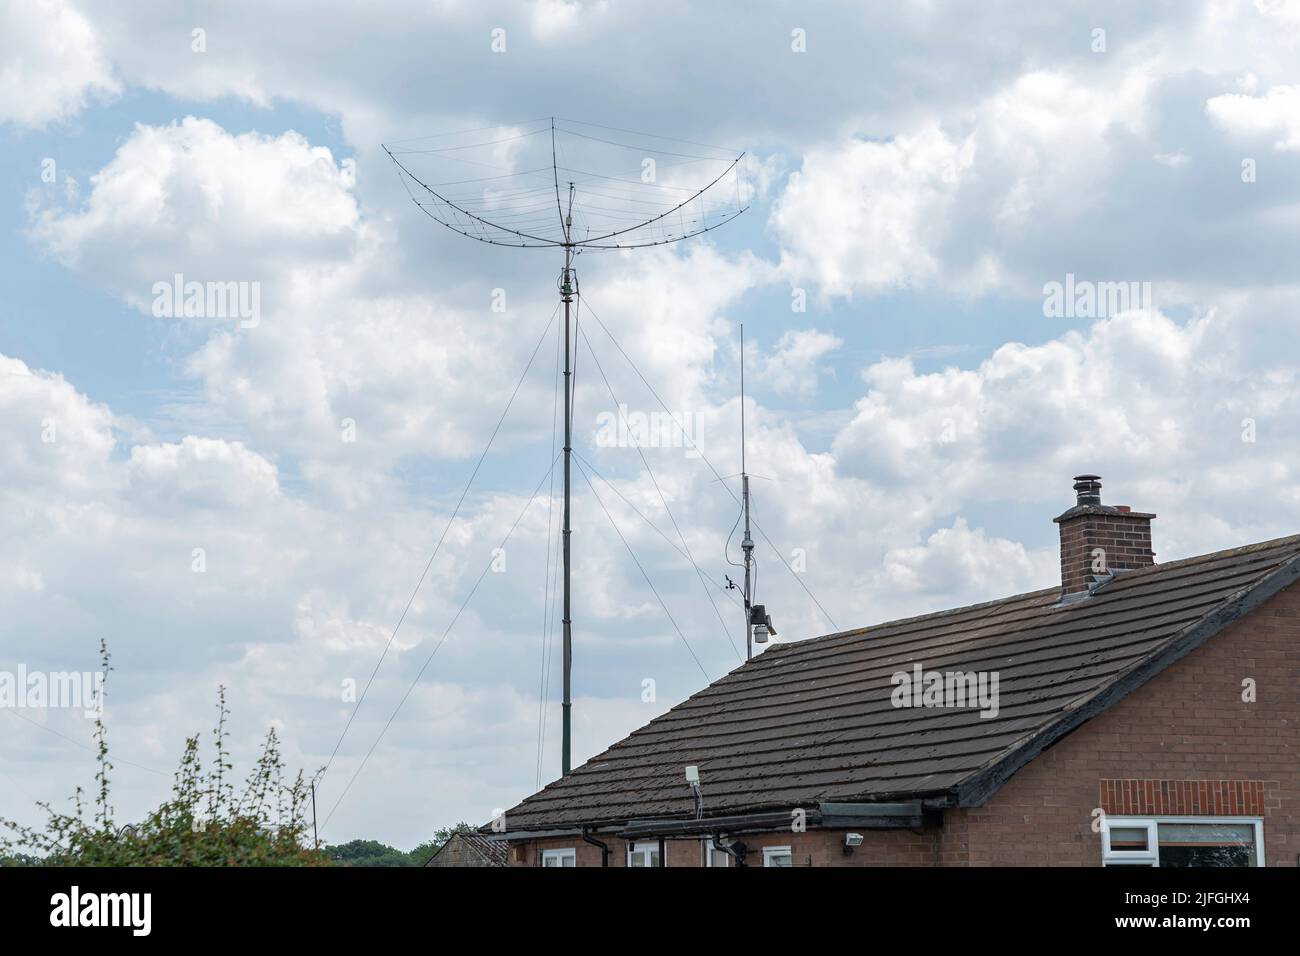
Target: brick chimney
[{"x": 1097, "y": 539}]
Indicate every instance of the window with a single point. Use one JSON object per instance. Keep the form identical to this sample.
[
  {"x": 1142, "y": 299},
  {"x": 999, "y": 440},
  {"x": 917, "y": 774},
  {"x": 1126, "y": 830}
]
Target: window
[
  {"x": 1182, "y": 841},
  {"x": 1210, "y": 844},
  {"x": 643, "y": 854},
  {"x": 1128, "y": 842},
  {"x": 713, "y": 856},
  {"x": 777, "y": 856},
  {"x": 567, "y": 857}
]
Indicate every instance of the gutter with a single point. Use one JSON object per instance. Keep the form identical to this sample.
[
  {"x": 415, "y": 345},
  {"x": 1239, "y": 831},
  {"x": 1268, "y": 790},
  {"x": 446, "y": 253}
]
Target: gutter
[
  {"x": 826, "y": 816},
  {"x": 906, "y": 815},
  {"x": 506, "y": 836}
]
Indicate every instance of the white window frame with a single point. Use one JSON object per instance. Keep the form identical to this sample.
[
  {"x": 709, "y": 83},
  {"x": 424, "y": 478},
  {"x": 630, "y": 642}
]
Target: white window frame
[
  {"x": 561, "y": 855},
  {"x": 646, "y": 847},
  {"x": 1148, "y": 857},
  {"x": 771, "y": 851},
  {"x": 1151, "y": 855}
]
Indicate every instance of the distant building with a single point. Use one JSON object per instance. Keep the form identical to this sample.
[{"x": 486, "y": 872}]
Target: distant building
[{"x": 469, "y": 849}]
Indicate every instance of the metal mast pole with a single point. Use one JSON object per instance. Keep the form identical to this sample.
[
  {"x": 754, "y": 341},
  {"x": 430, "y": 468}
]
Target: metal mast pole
[
  {"x": 522, "y": 226},
  {"x": 566, "y": 296},
  {"x": 747, "y": 543}
]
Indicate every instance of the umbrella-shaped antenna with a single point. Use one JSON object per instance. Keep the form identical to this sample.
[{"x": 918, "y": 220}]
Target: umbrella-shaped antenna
[{"x": 502, "y": 185}]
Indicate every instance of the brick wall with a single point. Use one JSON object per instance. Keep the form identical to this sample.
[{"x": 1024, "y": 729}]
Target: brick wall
[
  {"x": 1124, "y": 537},
  {"x": 1216, "y": 798},
  {"x": 811, "y": 848},
  {"x": 1188, "y": 724}
]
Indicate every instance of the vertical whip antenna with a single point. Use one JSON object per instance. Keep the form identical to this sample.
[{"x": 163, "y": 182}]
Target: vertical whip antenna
[
  {"x": 747, "y": 542},
  {"x": 758, "y": 623}
]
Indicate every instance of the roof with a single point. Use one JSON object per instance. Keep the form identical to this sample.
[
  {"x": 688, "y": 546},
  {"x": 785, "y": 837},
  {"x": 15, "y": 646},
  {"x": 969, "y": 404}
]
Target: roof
[
  {"x": 494, "y": 851},
  {"x": 812, "y": 721}
]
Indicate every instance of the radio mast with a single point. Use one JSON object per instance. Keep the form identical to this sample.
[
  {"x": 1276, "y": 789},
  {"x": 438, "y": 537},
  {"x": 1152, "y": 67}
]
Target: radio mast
[
  {"x": 747, "y": 542},
  {"x": 758, "y": 624},
  {"x": 618, "y": 208}
]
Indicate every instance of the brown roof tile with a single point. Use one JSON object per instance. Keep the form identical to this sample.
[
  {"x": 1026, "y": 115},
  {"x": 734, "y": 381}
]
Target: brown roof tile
[
  {"x": 494, "y": 851},
  {"x": 812, "y": 721}
]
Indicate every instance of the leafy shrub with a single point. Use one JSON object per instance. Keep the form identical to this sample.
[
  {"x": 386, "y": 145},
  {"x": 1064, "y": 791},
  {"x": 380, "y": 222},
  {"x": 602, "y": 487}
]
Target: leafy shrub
[{"x": 204, "y": 823}]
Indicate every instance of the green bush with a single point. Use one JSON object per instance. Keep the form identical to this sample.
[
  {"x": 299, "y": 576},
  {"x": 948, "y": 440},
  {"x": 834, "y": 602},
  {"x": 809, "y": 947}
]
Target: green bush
[{"x": 205, "y": 823}]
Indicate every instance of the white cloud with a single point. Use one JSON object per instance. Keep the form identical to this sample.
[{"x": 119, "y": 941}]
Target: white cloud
[
  {"x": 404, "y": 373},
  {"x": 869, "y": 215},
  {"x": 554, "y": 19},
  {"x": 1276, "y": 114},
  {"x": 51, "y": 63},
  {"x": 202, "y": 473},
  {"x": 1134, "y": 389},
  {"x": 51, "y": 439},
  {"x": 946, "y": 204},
  {"x": 792, "y": 368},
  {"x": 958, "y": 558},
  {"x": 291, "y": 599},
  {"x": 191, "y": 198}
]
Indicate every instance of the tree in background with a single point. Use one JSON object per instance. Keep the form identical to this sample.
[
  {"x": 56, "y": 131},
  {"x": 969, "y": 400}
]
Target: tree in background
[
  {"x": 367, "y": 853},
  {"x": 374, "y": 853},
  {"x": 205, "y": 823}
]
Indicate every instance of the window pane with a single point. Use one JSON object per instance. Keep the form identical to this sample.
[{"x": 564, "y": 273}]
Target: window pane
[
  {"x": 779, "y": 859},
  {"x": 1207, "y": 844},
  {"x": 1128, "y": 838},
  {"x": 1241, "y": 833},
  {"x": 644, "y": 855},
  {"x": 569, "y": 860}
]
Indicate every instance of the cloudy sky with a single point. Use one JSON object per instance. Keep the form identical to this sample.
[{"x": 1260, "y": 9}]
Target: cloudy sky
[{"x": 253, "y": 503}]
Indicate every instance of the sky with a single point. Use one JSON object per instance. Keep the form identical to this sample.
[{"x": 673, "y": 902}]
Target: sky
[{"x": 249, "y": 499}]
